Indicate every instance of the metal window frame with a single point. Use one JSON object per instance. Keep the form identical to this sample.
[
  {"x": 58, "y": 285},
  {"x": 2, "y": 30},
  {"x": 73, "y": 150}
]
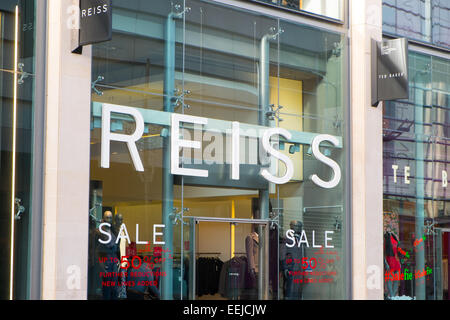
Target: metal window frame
[
  {"x": 427, "y": 47},
  {"x": 429, "y": 51},
  {"x": 305, "y": 12},
  {"x": 349, "y": 172},
  {"x": 37, "y": 188},
  {"x": 302, "y": 17}
]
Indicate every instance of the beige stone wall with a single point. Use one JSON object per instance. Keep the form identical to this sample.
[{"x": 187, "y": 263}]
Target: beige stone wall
[
  {"x": 66, "y": 172},
  {"x": 367, "y": 155}
]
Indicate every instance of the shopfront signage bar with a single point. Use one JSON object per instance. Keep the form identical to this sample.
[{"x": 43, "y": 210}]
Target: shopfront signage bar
[
  {"x": 389, "y": 70},
  {"x": 265, "y": 135}
]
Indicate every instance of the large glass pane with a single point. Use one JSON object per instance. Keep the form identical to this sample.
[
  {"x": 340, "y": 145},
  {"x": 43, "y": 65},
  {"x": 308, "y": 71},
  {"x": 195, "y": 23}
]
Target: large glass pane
[
  {"x": 143, "y": 208},
  {"x": 16, "y": 135},
  {"x": 416, "y": 185},
  {"x": 221, "y": 66},
  {"x": 311, "y": 82}
]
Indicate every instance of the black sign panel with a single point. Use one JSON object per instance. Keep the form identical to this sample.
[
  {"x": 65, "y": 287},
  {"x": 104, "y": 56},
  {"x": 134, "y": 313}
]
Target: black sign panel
[
  {"x": 389, "y": 70},
  {"x": 95, "y": 21}
]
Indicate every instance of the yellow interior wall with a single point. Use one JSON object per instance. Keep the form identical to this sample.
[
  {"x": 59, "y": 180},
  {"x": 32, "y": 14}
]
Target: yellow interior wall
[
  {"x": 215, "y": 237},
  {"x": 291, "y": 98},
  {"x": 135, "y": 96}
]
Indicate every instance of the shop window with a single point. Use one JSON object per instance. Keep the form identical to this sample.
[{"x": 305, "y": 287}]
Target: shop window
[
  {"x": 224, "y": 238},
  {"x": 416, "y": 193}
]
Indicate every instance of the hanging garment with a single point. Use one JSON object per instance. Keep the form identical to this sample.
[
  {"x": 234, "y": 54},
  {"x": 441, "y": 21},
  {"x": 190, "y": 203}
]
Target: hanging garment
[
  {"x": 251, "y": 249},
  {"x": 232, "y": 277},
  {"x": 273, "y": 261},
  {"x": 208, "y": 275}
]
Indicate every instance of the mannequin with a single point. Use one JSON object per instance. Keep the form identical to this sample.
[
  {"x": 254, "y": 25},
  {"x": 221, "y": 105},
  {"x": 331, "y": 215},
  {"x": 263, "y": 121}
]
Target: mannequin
[
  {"x": 121, "y": 252},
  {"x": 121, "y": 249},
  {"x": 392, "y": 260},
  {"x": 118, "y": 220},
  {"x": 292, "y": 290},
  {"x": 95, "y": 284},
  {"x": 108, "y": 252}
]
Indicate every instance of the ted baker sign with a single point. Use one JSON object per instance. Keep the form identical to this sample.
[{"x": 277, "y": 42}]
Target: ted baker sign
[
  {"x": 177, "y": 143},
  {"x": 407, "y": 175}
]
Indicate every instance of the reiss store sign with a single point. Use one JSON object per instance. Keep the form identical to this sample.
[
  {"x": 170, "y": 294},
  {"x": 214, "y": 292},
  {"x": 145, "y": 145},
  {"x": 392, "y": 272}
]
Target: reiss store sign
[{"x": 267, "y": 138}]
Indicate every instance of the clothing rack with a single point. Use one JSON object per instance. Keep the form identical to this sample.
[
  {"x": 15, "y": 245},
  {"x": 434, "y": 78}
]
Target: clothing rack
[
  {"x": 217, "y": 253},
  {"x": 213, "y": 253}
]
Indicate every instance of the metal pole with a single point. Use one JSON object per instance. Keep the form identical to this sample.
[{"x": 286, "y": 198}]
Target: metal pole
[
  {"x": 266, "y": 262},
  {"x": 38, "y": 151},
  {"x": 167, "y": 178},
  {"x": 438, "y": 285},
  {"x": 192, "y": 247},
  {"x": 420, "y": 189},
  {"x": 228, "y": 220},
  {"x": 264, "y": 95},
  {"x": 263, "y": 246}
]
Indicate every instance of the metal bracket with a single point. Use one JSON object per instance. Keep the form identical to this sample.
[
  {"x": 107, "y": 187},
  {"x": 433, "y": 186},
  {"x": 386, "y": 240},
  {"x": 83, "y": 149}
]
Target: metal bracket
[
  {"x": 274, "y": 113},
  {"x": 177, "y": 99},
  {"x": 91, "y": 212},
  {"x": 430, "y": 228},
  {"x": 94, "y": 84},
  {"x": 180, "y": 14},
  {"x": 20, "y": 209},
  {"x": 338, "y": 224},
  {"x": 337, "y": 123},
  {"x": 274, "y": 219},
  {"x": 274, "y": 33},
  {"x": 177, "y": 215},
  {"x": 23, "y": 74},
  {"x": 337, "y": 49}
]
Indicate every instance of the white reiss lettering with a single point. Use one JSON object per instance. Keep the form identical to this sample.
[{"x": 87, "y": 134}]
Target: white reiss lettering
[
  {"x": 177, "y": 143},
  {"x": 89, "y": 12}
]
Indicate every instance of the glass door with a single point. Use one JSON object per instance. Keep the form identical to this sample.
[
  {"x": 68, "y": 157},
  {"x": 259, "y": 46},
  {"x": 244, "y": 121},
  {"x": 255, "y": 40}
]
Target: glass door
[{"x": 16, "y": 135}]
